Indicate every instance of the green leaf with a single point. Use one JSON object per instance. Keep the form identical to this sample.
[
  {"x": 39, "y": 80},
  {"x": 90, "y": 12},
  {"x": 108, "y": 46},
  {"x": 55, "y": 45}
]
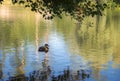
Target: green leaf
[{"x": 21, "y": 2}]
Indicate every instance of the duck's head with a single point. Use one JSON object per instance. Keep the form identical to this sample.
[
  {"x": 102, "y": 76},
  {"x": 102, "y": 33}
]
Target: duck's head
[{"x": 46, "y": 45}]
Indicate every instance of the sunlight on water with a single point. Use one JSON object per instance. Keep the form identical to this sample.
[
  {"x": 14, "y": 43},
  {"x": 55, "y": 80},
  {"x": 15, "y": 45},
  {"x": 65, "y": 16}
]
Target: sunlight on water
[{"x": 93, "y": 45}]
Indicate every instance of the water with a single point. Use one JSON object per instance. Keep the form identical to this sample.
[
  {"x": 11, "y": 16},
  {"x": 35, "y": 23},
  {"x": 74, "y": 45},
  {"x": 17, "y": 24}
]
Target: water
[{"x": 93, "y": 45}]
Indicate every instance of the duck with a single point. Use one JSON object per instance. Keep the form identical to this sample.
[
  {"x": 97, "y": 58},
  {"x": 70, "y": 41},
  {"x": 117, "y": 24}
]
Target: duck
[{"x": 44, "y": 48}]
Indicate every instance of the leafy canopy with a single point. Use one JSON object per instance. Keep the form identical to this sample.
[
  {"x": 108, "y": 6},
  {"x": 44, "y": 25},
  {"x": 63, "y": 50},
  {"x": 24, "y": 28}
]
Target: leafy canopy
[{"x": 77, "y": 9}]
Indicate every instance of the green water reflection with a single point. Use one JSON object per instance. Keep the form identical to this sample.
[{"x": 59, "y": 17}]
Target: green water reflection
[{"x": 93, "y": 44}]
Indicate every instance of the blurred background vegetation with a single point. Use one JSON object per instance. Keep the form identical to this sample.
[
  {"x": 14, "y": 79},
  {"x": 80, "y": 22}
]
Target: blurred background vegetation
[{"x": 77, "y": 9}]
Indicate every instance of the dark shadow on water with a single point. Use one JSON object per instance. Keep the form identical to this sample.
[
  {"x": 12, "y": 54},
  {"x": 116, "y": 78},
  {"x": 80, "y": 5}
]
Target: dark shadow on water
[{"x": 46, "y": 74}]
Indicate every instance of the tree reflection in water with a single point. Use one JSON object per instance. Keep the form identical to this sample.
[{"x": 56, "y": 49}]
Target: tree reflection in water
[{"x": 47, "y": 74}]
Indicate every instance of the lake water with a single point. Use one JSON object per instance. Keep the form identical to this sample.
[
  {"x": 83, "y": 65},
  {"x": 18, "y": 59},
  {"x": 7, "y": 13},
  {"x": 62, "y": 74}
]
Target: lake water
[{"x": 93, "y": 45}]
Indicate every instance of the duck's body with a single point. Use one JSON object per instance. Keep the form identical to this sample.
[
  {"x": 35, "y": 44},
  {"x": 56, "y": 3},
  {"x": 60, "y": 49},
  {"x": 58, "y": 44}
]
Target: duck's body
[{"x": 44, "y": 48}]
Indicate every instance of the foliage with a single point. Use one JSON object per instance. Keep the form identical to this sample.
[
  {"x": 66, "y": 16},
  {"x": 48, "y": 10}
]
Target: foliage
[
  {"x": 77, "y": 9},
  {"x": 116, "y": 1},
  {"x": 1, "y": 1}
]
